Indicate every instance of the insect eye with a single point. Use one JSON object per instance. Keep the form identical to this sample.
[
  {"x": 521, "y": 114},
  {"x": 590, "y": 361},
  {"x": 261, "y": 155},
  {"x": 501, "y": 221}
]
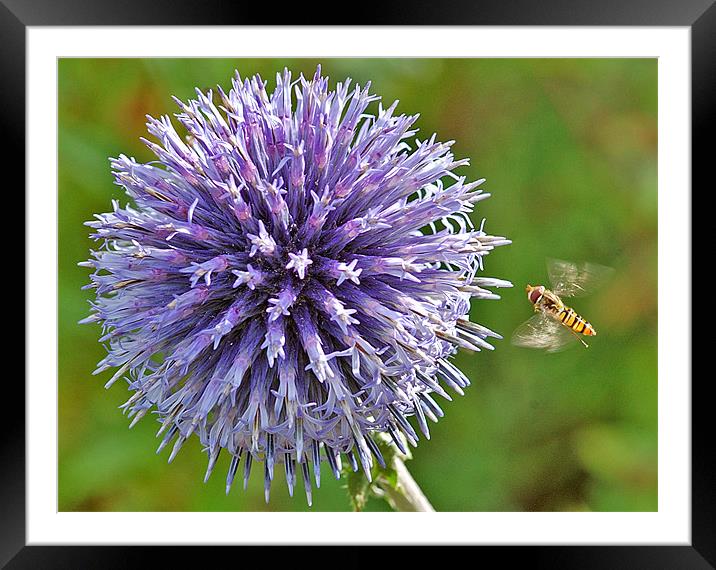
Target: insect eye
[{"x": 535, "y": 294}]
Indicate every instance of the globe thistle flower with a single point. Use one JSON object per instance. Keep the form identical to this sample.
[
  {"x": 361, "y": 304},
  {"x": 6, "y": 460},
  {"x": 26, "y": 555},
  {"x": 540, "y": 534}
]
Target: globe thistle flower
[{"x": 292, "y": 278}]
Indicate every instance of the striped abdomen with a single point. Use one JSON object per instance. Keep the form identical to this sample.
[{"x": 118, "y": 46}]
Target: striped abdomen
[{"x": 574, "y": 321}]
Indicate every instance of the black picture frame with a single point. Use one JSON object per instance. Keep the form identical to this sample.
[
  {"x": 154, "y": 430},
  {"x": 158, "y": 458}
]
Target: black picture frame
[{"x": 17, "y": 15}]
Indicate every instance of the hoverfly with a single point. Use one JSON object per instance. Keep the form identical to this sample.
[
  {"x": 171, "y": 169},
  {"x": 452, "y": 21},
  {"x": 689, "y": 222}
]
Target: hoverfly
[{"x": 555, "y": 325}]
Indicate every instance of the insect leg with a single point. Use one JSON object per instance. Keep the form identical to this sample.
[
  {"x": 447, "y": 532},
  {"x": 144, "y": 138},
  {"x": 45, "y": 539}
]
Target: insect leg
[{"x": 579, "y": 337}]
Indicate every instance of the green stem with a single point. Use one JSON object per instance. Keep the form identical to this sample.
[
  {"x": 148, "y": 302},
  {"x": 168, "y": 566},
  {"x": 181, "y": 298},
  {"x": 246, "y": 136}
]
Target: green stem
[{"x": 406, "y": 495}]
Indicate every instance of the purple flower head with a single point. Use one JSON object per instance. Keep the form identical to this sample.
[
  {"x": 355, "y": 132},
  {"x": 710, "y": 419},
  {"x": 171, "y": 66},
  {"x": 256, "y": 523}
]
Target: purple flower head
[{"x": 293, "y": 277}]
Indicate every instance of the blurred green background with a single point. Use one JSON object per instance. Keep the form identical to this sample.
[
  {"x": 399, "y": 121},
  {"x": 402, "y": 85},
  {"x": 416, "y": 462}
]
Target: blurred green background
[{"x": 569, "y": 150}]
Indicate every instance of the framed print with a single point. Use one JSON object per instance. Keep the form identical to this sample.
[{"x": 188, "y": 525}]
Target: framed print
[{"x": 326, "y": 273}]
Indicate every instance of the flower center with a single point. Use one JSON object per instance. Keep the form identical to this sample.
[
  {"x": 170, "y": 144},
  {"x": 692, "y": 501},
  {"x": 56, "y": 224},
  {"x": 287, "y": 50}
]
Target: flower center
[{"x": 299, "y": 262}]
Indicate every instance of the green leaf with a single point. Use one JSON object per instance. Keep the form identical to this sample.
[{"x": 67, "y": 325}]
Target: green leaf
[
  {"x": 383, "y": 478},
  {"x": 358, "y": 488}
]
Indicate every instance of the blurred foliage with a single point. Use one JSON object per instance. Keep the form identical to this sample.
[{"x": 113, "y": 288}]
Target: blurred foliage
[{"x": 569, "y": 150}]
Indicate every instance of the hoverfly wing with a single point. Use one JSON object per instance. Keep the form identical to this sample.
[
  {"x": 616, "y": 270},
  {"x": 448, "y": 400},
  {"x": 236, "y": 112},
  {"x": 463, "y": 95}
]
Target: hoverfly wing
[
  {"x": 543, "y": 332},
  {"x": 574, "y": 280}
]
